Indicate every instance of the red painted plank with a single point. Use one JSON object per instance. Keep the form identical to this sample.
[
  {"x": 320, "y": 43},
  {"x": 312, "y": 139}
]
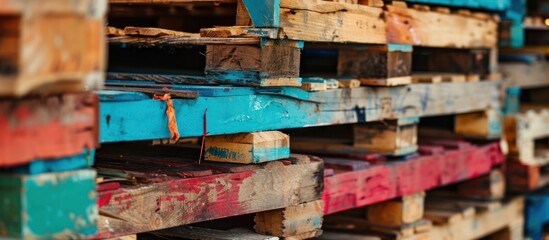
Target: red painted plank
[
  {"x": 434, "y": 168},
  {"x": 178, "y": 200},
  {"x": 47, "y": 128}
]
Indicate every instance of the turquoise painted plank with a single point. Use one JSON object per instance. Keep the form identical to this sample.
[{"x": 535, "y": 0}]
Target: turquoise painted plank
[
  {"x": 286, "y": 107},
  {"x": 493, "y": 5},
  {"x": 264, "y": 13},
  {"x": 38, "y": 166},
  {"x": 51, "y": 205}
]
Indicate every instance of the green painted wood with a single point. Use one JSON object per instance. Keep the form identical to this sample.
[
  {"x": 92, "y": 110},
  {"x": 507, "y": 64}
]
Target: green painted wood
[{"x": 51, "y": 205}]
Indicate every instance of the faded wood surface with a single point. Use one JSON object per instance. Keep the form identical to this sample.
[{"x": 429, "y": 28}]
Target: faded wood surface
[
  {"x": 124, "y": 113},
  {"x": 55, "y": 127},
  {"x": 433, "y": 168},
  {"x": 247, "y": 148},
  {"x": 508, "y": 216},
  {"x": 485, "y": 124},
  {"x": 62, "y": 59},
  {"x": 489, "y": 186},
  {"x": 291, "y": 221},
  {"x": 402, "y": 211},
  {"x": 177, "y": 201},
  {"x": 525, "y": 75}
]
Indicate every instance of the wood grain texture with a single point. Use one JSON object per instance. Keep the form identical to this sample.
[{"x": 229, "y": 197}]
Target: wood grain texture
[
  {"x": 180, "y": 201},
  {"x": 490, "y": 186},
  {"x": 271, "y": 60},
  {"x": 247, "y": 148},
  {"x": 384, "y": 181},
  {"x": 374, "y": 63},
  {"x": 55, "y": 127},
  {"x": 405, "y": 210},
  {"x": 433, "y": 29},
  {"x": 485, "y": 124},
  {"x": 385, "y": 137},
  {"x": 508, "y": 216},
  {"x": 248, "y": 109},
  {"x": 291, "y": 221},
  {"x": 62, "y": 59}
]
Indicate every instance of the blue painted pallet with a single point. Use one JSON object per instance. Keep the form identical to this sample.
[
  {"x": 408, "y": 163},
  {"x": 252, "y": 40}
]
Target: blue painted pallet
[
  {"x": 38, "y": 166},
  {"x": 491, "y": 5},
  {"x": 536, "y": 214},
  {"x": 48, "y": 206},
  {"x": 131, "y": 116}
]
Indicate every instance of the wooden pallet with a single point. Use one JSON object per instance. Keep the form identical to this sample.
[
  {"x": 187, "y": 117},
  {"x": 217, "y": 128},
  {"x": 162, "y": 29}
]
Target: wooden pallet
[
  {"x": 524, "y": 130},
  {"x": 251, "y": 61},
  {"x": 237, "y": 109},
  {"x": 504, "y": 220},
  {"x": 390, "y": 137},
  {"x": 49, "y": 205},
  {"x": 180, "y": 192},
  {"x": 56, "y": 127},
  {"x": 62, "y": 59},
  {"x": 440, "y": 163}
]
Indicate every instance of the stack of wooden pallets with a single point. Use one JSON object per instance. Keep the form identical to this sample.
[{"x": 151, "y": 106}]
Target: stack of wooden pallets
[
  {"x": 49, "y": 55},
  {"x": 291, "y": 117}
]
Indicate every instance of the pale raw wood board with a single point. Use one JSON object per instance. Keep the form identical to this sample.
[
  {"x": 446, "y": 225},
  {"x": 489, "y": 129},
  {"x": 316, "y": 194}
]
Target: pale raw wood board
[
  {"x": 509, "y": 216},
  {"x": 45, "y": 58}
]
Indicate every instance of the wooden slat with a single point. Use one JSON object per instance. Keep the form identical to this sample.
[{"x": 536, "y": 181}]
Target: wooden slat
[
  {"x": 233, "y": 110},
  {"x": 179, "y": 201},
  {"x": 385, "y": 181},
  {"x": 56, "y": 127}
]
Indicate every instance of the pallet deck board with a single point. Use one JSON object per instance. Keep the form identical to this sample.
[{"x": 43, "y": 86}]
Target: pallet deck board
[
  {"x": 56, "y": 127},
  {"x": 178, "y": 201},
  {"x": 380, "y": 182},
  {"x": 240, "y": 109}
]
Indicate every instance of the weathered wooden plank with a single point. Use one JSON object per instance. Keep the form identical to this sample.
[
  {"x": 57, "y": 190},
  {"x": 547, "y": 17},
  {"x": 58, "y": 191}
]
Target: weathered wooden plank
[
  {"x": 524, "y": 178},
  {"x": 380, "y": 182},
  {"x": 387, "y": 137},
  {"x": 247, "y": 148},
  {"x": 50, "y": 205},
  {"x": 482, "y": 224},
  {"x": 55, "y": 127},
  {"x": 485, "y": 124},
  {"x": 273, "y": 63},
  {"x": 179, "y": 201},
  {"x": 490, "y": 186},
  {"x": 63, "y": 59},
  {"x": 238, "y": 109},
  {"x": 519, "y": 74},
  {"x": 405, "y": 210},
  {"x": 291, "y": 221}
]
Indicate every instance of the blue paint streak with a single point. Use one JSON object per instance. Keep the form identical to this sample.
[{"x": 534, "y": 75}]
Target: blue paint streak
[
  {"x": 38, "y": 166},
  {"x": 399, "y": 47},
  {"x": 269, "y": 154},
  {"x": 494, "y": 5}
]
